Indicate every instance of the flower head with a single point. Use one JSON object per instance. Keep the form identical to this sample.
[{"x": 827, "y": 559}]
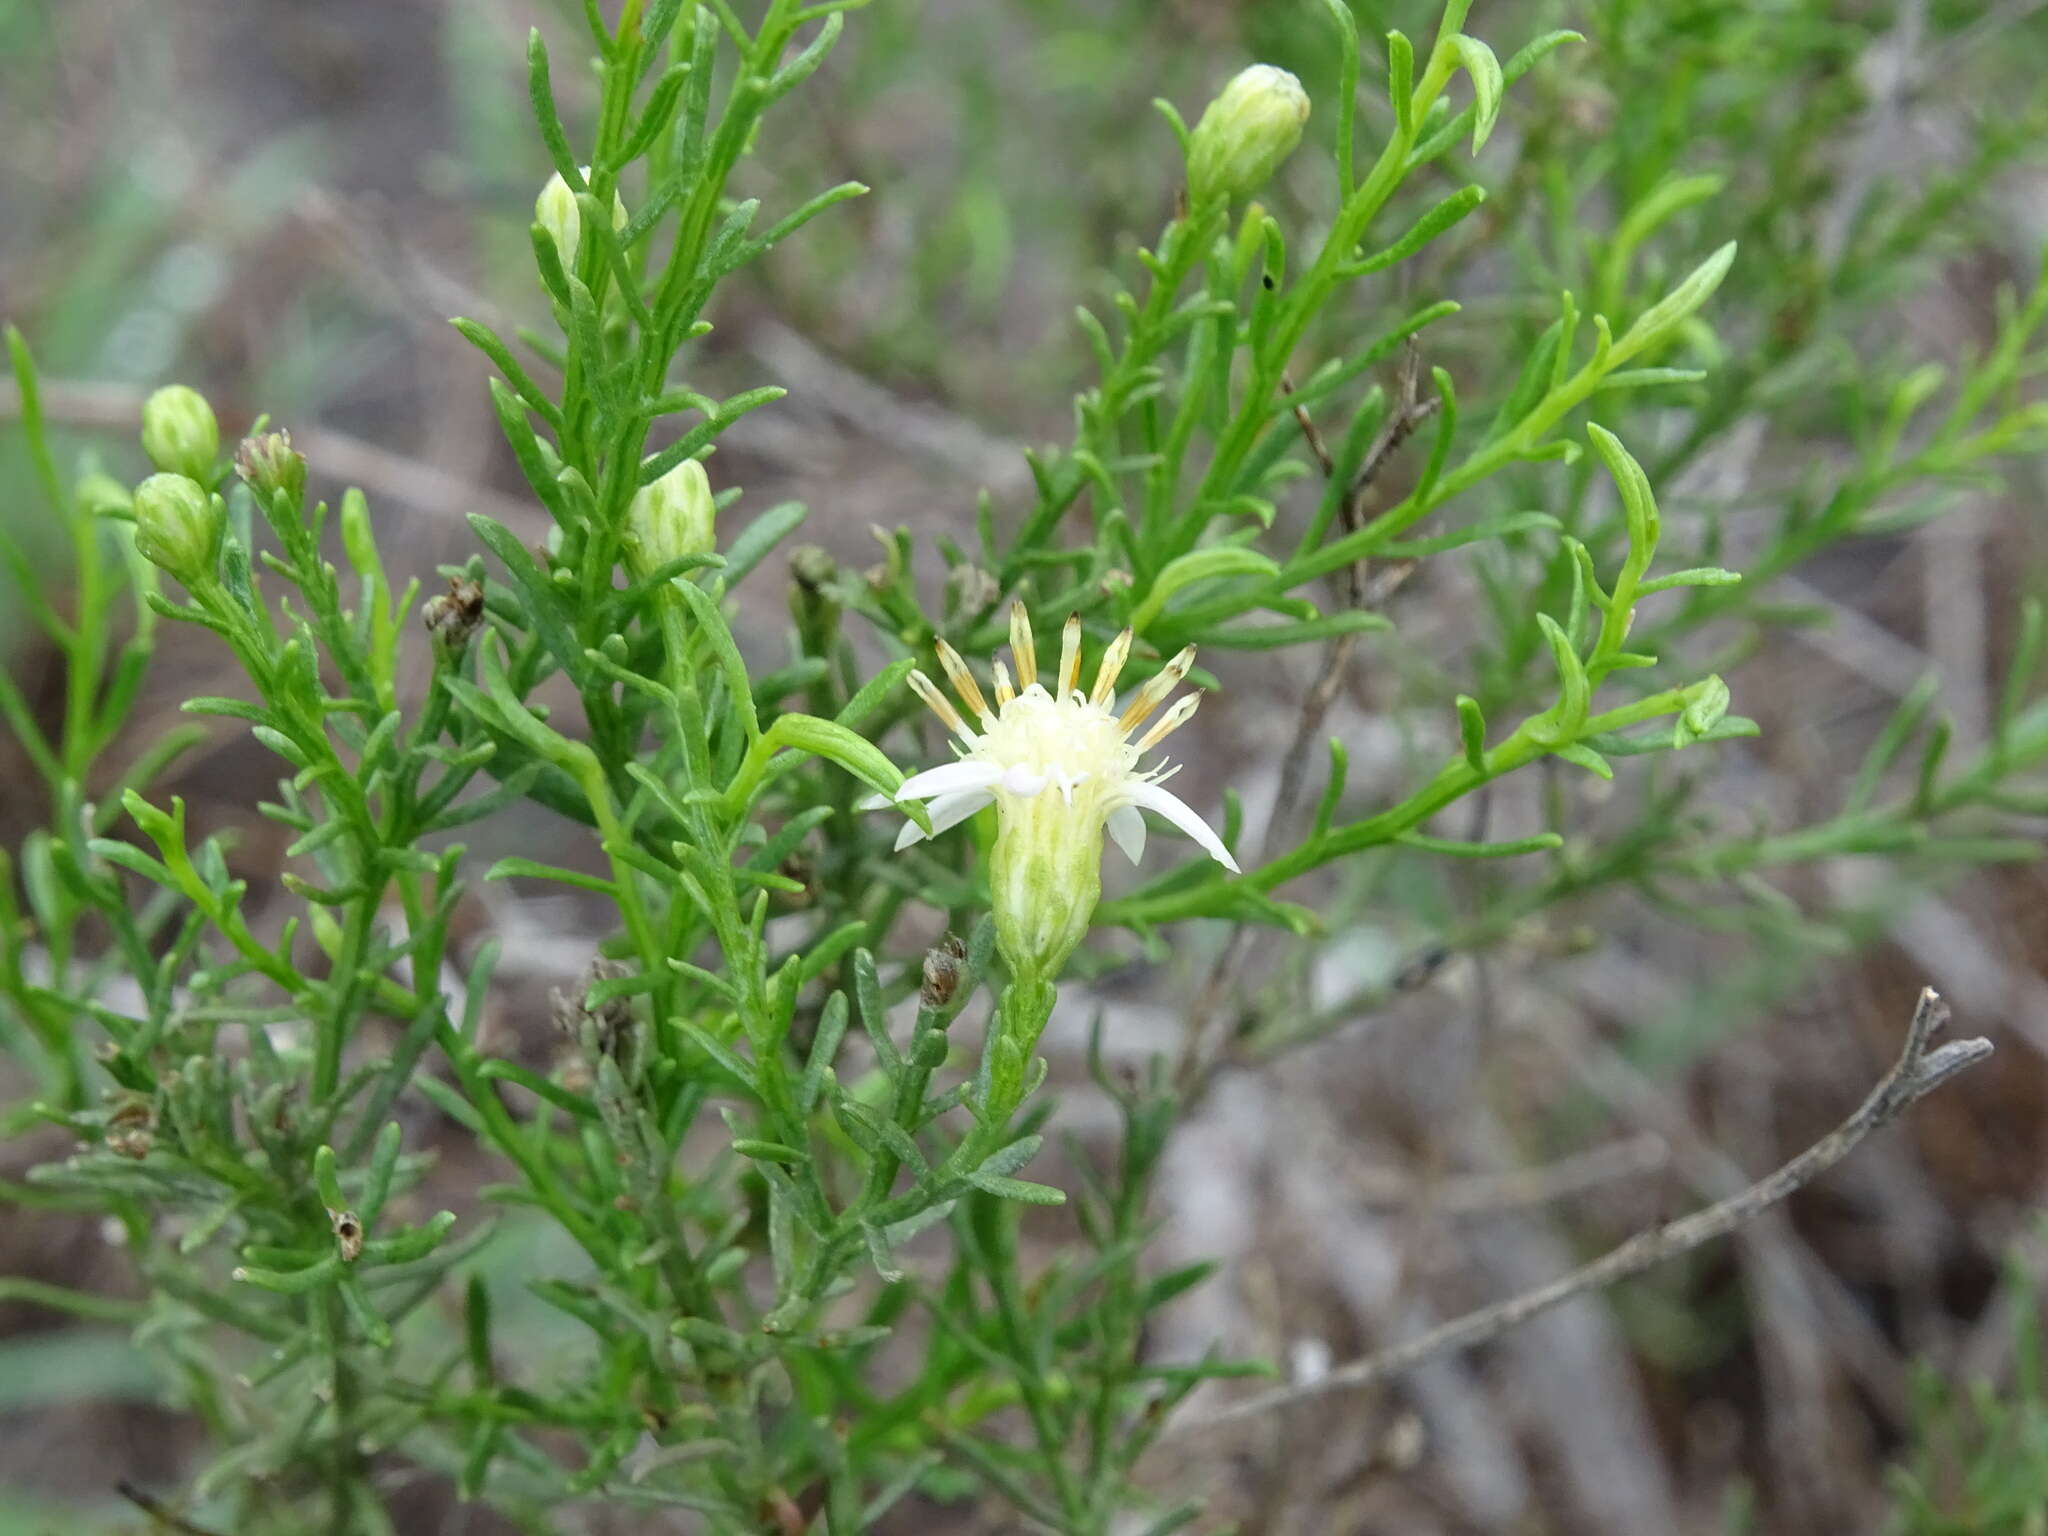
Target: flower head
[
  {"x": 180, "y": 434},
  {"x": 1061, "y": 767},
  {"x": 179, "y": 527},
  {"x": 1245, "y": 133},
  {"x": 673, "y": 518}
]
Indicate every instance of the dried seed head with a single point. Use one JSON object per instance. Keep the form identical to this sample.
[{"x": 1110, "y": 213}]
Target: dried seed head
[
  {"x": 942, "y": 964},
  {"x": 603, "y": 1030},
  {"x": 133, "y": 1142},
  {"x": 452, "y": 617},
  {"x": 348, "y": 1235}
]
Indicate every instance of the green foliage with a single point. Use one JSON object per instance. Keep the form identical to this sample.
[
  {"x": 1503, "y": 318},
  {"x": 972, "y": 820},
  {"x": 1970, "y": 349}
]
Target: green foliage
[
  {"x": 753, "y": 1326},
  {"x": 1979, "y": 1462}
]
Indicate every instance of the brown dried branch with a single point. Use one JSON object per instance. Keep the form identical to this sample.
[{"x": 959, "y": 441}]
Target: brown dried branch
[
  {"x": 1917, "y": 1073},
  {"x": 1484, "y": 1194}
]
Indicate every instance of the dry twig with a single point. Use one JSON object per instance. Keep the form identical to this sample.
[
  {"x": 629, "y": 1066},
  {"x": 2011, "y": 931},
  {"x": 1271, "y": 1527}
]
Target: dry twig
[{"x": 1917, "y": 1073}]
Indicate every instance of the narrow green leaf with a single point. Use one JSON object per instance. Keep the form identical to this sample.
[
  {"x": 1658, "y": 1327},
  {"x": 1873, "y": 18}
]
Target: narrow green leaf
[
  {"x": 1472, "y": 732},
  {"x": 1662, "y": 318},
  {"x": 540, "y": 90},
  {"x": 514, "y": 867},
  {"x": 1487, "y": 85},
  {"x": 1542, "y": 842},
  {"x": 1021, "y": 1190},
  {"x": 1425, "y": 229},
  {"x": 1216, "y": 563},
  {"x": 1401, "y": 82}
]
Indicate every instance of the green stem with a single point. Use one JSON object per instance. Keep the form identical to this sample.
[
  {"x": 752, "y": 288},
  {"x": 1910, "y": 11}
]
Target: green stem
[
  {"x": 1455, "y": 779},
  {"x": 346, "y": 987}
]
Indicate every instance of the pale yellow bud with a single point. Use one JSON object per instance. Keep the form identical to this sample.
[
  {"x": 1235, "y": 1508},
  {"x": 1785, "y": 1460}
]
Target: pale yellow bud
[
  {"x": 670, "y": 519},
  {"x": 556, "y": 212},
  {"x": 1245, "y": 134},
  {"x": 179, "y": 433}
]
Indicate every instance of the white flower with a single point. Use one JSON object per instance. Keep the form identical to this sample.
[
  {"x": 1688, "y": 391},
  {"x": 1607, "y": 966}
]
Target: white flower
[{"x": 1060, "y": 767}]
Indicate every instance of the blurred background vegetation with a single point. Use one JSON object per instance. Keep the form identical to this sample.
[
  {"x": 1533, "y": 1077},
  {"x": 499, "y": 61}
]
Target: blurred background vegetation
[{"x": 282, "y": 202}]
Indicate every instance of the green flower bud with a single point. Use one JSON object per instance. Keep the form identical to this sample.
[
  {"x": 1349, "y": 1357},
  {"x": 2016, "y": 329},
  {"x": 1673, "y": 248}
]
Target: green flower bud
[
  {"x": 671, "y": 518},
  {"x": 556, "y": 212},
  {"x": 178, "y": 526},
  {"x": 1245, "y": 134},
  {"x": 180, "y": 434},
  {"x": 269, "y": 464}
]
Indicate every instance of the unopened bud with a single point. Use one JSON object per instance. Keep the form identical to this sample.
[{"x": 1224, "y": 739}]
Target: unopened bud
[
  {"x": 178, "y": 526},
  {"x": 941, "y": 972},
  {"x": 179, "y": 433},
  {"x": 269, "y": 464},
  {"x": 452, "y": 617},
  {"x": 1245, "y": 134},
  {"x": 556, "y": 212},
  {"x": 673, "y": 518}
]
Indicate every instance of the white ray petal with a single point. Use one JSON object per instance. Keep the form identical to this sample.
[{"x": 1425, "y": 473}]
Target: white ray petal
[
  {"x": 946, "y": 811},
  {"x": 1127, "y": 831},
  {"x": 1177, "y": 811},
  {"x": 948, "y": 779}
]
